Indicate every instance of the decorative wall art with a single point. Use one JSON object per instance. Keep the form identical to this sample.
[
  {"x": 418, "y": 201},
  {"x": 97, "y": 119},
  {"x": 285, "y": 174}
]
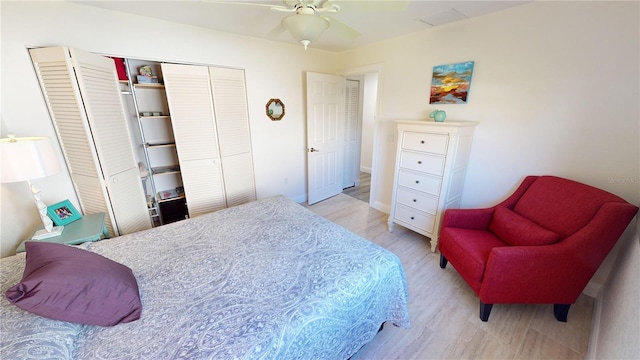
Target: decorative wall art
[
  {"x": 450, "y": 83},
  {"x": 275, "y": 109}
]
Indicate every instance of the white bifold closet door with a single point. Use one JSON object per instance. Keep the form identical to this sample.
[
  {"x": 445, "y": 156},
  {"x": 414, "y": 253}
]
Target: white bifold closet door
[
  {"x": 210, "y": 123},
  {"x": 232, "y": 120},
  {"x": 82, "y": 93},
  {"x": 194, "y": 129}
]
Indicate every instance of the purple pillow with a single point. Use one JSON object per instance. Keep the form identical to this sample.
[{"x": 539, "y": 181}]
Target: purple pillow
[
  {"x": 66, "y": 283},
  {"x": 516, "y": 230}
]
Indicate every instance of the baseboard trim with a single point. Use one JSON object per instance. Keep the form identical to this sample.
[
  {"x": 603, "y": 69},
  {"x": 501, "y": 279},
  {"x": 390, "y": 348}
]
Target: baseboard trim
[
  {"x": 385, "y": 208},
  {"x": 299, "y": 199},
  {"x": 595, "y": 326},
  {"x": 593, "y": 289}
]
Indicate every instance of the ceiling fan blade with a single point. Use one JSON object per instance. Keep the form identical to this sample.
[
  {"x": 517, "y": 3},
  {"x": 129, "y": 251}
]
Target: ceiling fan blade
[
  {"x": 270, "y": 6},
  {"x": 341, "y": 28},
  {"x": 276, "y": 32},
  {"x": 369, "y": 5}
]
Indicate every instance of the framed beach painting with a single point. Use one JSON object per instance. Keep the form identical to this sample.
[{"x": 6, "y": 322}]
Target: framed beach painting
[{"x": 450, "y": 83}]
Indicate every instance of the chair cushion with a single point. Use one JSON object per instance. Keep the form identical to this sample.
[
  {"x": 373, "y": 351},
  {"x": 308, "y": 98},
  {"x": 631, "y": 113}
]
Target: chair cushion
[
  {"x": 66, "y": 283},
  {"x": 517, "y": 230},
  {"x": 468, "y": 251}
]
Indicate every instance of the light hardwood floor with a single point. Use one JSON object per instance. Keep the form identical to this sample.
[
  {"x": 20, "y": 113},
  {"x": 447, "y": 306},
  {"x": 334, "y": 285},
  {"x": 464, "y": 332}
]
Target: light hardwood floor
[
  {"x": 360, "y": 192},
  {"x": 444, "y": 310}
]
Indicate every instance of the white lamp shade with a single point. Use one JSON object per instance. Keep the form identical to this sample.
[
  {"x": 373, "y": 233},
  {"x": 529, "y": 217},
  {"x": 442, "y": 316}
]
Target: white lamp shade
[
  {"x": 305, "y": 26},
  {"x": 27, "y": 158}
]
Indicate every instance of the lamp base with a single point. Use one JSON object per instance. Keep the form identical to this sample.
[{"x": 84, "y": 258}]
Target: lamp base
[{"x": 44, "y": 234}]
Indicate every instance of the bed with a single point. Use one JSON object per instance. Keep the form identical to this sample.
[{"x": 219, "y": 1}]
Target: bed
[{"x": 264, "y": 280}]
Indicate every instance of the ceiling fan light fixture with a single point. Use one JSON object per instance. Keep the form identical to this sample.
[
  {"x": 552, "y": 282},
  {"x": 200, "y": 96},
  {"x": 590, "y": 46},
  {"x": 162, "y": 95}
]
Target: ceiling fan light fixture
[{"x": 305, "y": 28}]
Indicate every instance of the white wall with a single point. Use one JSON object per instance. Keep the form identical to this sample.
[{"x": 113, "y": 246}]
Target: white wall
[
  {"x": 272, "y": 70},
  {"x": 555, "y": 89},
  {"x": 618, "y": 314}
]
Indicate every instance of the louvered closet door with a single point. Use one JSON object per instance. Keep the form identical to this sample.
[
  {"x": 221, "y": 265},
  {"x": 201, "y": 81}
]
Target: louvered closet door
[
  {"x": 232, "y": 121},
  {"x": 75, "y": 125},
  {"x": 103, "y": 103},
  {"x": 351, "y": 164},
  {"x": 62, "y": 95},
  {"x": 191, "y": 110}
]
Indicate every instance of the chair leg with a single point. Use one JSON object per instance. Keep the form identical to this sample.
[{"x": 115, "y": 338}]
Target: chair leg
[
  {"x": 443, "y": 261},
  {"x": 560, "y": 311},
  {"x": 485, "y": 310}
]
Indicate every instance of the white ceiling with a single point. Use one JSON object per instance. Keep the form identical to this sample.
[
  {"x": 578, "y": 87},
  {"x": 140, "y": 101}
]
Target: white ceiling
[{"x": 374, "y": 19}]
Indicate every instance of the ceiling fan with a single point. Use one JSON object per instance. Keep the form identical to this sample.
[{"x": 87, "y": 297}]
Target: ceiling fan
[
  {"x": 311, "y": 18},
  {"x": 306, "y": 25}
]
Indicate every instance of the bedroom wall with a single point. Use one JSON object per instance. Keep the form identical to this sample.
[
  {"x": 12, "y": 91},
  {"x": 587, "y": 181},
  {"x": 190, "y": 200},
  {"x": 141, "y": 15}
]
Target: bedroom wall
[
  {"x": 617, "y": 313},
  {"x": 272, "y": 70},
  {"x": 555, "y": 89}
]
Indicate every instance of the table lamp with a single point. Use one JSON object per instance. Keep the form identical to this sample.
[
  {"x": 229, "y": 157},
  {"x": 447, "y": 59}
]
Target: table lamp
[{"x": 26, "y": 159}]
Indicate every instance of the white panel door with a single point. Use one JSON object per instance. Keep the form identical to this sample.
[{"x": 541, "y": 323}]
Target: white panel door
[
  {"x": 325, "y": 126},
  {"x": 232, "y": 122},
  {"x": 192, "y": 118}
]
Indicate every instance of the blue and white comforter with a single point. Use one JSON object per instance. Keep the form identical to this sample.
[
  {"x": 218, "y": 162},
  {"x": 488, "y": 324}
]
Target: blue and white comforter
[{"x": 264, "y": 280}]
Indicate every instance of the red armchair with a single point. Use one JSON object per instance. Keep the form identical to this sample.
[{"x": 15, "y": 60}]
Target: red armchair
[{"x": 541, "y": 245}]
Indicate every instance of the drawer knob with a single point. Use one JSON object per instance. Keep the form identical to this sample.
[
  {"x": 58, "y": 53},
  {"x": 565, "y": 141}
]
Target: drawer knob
[
  {"x": 415, "y": 200},
  {"x": 419, "y": 162},
  {"x": 422, "y": 142},
  {"x": 417, "y": 182},
  {"x": 412, "y": 218}
]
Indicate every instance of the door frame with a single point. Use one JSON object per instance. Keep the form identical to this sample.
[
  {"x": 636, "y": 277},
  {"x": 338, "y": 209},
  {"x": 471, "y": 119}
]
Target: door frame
[
  {"x": 358, "y": 131},
  {"x": 375, "y": 196}
]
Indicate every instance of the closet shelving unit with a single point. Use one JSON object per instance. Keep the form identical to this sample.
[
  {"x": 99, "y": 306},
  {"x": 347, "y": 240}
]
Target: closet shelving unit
[{"x": 163, "y": 182}]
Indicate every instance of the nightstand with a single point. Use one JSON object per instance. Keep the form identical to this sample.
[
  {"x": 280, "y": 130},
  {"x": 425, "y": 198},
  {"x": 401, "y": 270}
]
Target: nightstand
[{"x": 90, "y": 228}]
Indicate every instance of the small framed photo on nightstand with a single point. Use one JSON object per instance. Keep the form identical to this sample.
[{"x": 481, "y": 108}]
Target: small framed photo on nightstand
[{"x": 63, "y": 213}]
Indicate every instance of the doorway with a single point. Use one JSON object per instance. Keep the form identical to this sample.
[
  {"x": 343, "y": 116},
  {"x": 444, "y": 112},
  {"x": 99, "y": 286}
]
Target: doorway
[
  {"x": 326, "y": 126},
  {"x": 360, "y": 114}
]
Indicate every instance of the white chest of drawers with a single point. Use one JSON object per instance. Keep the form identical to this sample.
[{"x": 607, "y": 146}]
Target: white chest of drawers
[{"x": 431, "y": 164}]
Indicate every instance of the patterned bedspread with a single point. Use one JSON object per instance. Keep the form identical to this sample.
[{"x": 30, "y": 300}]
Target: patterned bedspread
[{"x": 264, "y": 280}]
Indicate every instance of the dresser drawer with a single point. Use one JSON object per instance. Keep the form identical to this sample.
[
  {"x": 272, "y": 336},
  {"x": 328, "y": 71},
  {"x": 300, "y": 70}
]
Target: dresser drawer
[
  {"x": 418, "y": 181},
  {"x": 417, "y": 200},
  {"x": 415, "y": 218},
  {"x": 422, "y": 162},
  {"x": 427, "y": 142}
]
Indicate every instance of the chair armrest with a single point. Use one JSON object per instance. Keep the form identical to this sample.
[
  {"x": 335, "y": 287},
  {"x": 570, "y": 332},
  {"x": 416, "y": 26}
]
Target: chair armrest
[
  {"x": 477, "y": 219},
  {"x": 549, "y": 274}
]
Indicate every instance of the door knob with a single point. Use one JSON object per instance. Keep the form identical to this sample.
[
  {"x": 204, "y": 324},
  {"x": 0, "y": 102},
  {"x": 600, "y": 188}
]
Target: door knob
[{"x": 313, "y": 150}]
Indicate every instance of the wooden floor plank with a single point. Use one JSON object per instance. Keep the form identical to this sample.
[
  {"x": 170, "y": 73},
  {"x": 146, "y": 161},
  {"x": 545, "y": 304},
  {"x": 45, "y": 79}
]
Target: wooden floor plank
[{"x": 444, "y": 310}]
